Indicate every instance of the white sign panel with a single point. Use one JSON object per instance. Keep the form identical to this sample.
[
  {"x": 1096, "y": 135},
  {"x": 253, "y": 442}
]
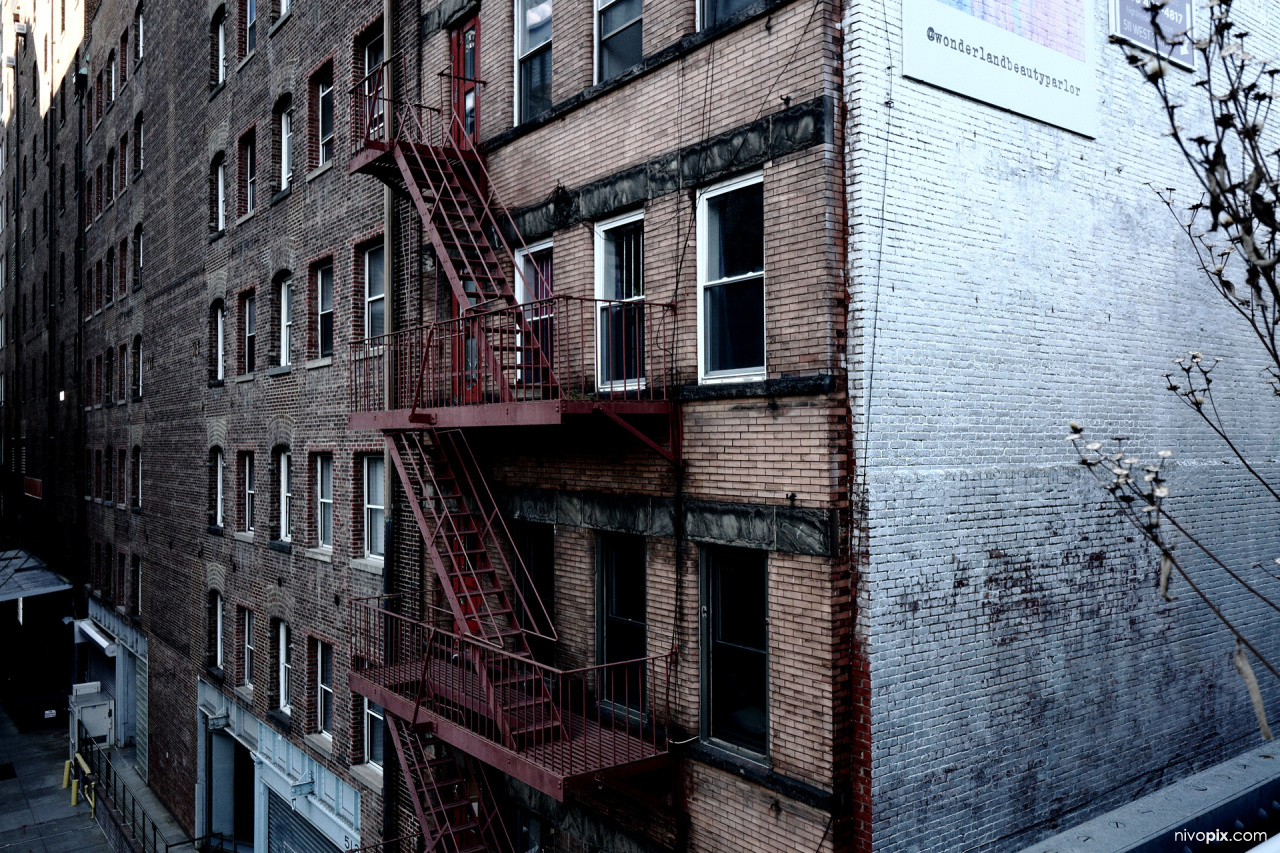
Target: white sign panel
[
  {"x": 1032, "y": 57},
  {"x": 1131, "y": 21}
]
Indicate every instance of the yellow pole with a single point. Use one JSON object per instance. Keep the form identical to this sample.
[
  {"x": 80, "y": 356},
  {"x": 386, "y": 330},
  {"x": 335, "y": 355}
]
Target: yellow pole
[
  {"x": 66, "y": 774},
  {"x": 75, "y": 792}
]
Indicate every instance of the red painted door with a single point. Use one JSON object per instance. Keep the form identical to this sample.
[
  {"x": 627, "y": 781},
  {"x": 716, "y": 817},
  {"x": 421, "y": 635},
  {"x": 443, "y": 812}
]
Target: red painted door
[{"x": 464, "y": 44}]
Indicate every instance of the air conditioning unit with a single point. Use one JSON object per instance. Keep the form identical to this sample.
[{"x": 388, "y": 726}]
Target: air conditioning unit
[
  {"x": 19, "y": 29},
  {"x": 10, "y": 62},
  {"x": 94, "y": 710}
]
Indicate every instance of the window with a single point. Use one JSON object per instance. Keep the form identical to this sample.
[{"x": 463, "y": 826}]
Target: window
[
  {"x": 137, "y": 28},
  {"x": 324, "y": 298},
  {"x": 111, "y": 76},
  {"x": 619, "y": 29},
  {"x": 135, "y": 585},
  {"x": 123, "y": 259},
  {"x": 322, "y": 114},
  {"x": 373, "y": 83},
  {"x": 324, "y": 688},
  {"x": 285, "y": 125},
  {"x": 374, "y": 726},
  {"x": 286, "y": 320},
  {"x": 324, "y": 501},
  {"x": 620, "y": 281},
  {"x": 137, "y": 256},
  {"x": 373, "y": 507},
  {"x": 120, "y": 469},
  {"x": 249, "y": 17},
  {"x": 219, "y": 194},
  {"x": 285, "y": 462},
  {"x": 110, "y": 269},
  {"x": 218, "y": 342},
  {"x": 137, "y": 142},
  {"x": 219, "y": 499},
  {"x": 248, "y": 173},
  {"x": 246, "y": 470},
  {"x": 284, "y": 671},
  {"x": 247, "y": 636},
  {"x": 374, "y": 293},
  {"x": 109, "y": 176},
  {"x": 622, "y": 621},
  {"x": 249, "y": 306},
  {"x": 137, "y": 477},
  {"x": 219, "y": 47},
  {"x": 108, "y": 477},
  {"x": 137, "y": 367},
  {"x": 731, "y": 280},
  {"x": 735, "y": 635},
  {"x": 215, "y": 630},
  {"x": 124, "y": 58},
  {"x": 533, "y": 27},
  {"x": 121, "y": 371}
]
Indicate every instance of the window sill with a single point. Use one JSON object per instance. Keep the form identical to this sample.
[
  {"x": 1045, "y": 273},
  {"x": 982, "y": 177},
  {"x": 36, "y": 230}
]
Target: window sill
[
  {"x": 280, "y": 196},
  {"x": 369, "y": 775},
  {"x": 215, "y": 672},
  {"x": 279, "y": 23},
  {"x": 323, "y": 555},
  {"x": 320, "y": 742},
  {"x": 280, "y": 545},
  {"x": 324, "y": 361},
  {"x": 122, "y": 506},
  {"x": 318, "y": 171},
  {"x": 365, "y": 564},
  {"x": 244, "y": 692},
  {"x": 281, "y": 718},
  {"x": 243, "y": 536},
  {"x": 215, "y": 530},
  {"x": 217, "y": 235},
  {"x": 137, "y": 175},
  {"x": 280, "y": 370},
  {"x": 217, "y": 90},
  {"x": 244, "y": 377},
  {"x": 137, "y": 510},
  {"x": 217, "y": 383},
  {"x": 244, "y": 218},
  {"x": 245, "y": 61}
]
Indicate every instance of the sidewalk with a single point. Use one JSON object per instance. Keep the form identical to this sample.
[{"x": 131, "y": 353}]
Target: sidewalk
[{"x": 36, "y": 815}]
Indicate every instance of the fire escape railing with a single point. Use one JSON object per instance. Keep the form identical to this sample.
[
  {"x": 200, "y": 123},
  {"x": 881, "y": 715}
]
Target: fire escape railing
[
  {"x": 559, "y": 348},
  {"x": 604, "y": 716}
]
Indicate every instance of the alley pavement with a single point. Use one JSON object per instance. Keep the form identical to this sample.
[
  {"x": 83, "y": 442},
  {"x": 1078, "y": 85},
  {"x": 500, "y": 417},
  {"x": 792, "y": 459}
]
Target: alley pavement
[{"x": 36, "y": 815}]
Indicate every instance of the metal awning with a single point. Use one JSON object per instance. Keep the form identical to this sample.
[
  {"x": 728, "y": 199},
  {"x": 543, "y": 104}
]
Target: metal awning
[
  {"x": 87, "y": 631},
  {"x": 25, "y": 576}
]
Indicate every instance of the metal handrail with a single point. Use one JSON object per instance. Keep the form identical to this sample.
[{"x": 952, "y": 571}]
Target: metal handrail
[{"x": 104, "y": 774}]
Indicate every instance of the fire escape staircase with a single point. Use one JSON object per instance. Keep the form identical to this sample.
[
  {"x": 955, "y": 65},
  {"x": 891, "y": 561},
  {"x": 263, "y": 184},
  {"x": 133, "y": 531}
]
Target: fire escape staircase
[{"x": 455, "y": 673}]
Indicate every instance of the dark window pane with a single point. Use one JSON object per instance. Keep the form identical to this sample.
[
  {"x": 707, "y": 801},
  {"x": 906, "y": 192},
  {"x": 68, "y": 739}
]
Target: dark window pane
[
  {"x": 624, "y": 261},
  {"x": 734, "y": 330},
  {"x": 622, "y": 342},
  {"x": 621, "y": 50},
  {"x": 618, "y": 16},
  {"x": 623, "y": 588},
  {"x": 326, "y": 333},
  {"x": 738, "y": 660},
  {"x": 535, "y": 84},
  {"x": 716, "y": 11},
  {"x": 735, "y": 223}
]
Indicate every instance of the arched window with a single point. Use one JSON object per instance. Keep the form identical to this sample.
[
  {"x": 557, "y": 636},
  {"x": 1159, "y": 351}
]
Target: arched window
[
  {"x": 218, "y": 342},
  {"x": 137, "y": 256},
  {"x": 136, "y": 356},
  {"x": 214, "y": 626},
  {"x": 218, "y": 193},
  {"x": 137, "y": 139},
  {"x": 284, "y": 142},
  {"x": 137, "y": 477},
  {"x": 284, "y": 494},
  {"x": 284, "y": 311},
  {"x": 218, "y": 47},
  {"x": 217, "y": 488}
]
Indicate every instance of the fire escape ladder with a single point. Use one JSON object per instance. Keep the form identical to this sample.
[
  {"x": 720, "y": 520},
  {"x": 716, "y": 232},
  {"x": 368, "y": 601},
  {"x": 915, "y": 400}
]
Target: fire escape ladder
[
  {"x": 454, "y": 805},
  {"x": 463, "y": 532}
]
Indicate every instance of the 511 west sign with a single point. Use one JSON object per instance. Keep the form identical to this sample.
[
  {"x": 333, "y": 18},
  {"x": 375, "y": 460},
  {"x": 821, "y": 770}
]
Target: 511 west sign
[{"x": 1131, "y": 21}]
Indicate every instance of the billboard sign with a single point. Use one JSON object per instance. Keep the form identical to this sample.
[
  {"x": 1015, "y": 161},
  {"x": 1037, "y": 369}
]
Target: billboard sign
[{"x": 1032, "y": 57}]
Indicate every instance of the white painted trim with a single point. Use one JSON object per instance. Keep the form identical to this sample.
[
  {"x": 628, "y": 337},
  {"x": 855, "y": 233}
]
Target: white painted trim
[
  {"x": 754, "y": 374},
  {"x": 599, "y": 229}
]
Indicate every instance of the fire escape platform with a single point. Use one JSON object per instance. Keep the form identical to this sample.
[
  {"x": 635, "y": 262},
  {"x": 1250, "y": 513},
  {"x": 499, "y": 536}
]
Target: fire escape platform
[
  {"x": 526, "y": 413},
  {"x": 582, "y": 755}
]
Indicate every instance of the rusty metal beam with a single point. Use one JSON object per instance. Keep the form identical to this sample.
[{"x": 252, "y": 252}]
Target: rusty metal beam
[{"x": 631, "y": 428}]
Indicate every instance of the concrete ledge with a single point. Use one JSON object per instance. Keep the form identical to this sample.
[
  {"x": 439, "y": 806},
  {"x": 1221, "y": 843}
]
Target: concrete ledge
[{"x": 1216, "y": 798}]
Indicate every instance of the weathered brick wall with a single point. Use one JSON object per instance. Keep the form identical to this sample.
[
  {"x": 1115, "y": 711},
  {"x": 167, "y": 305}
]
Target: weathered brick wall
[{"x": 1024, "y": 673}]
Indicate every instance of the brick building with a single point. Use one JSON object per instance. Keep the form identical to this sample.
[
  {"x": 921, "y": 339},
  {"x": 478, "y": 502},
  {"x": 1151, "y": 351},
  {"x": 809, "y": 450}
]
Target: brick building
[{"x": 591, "y": 428}]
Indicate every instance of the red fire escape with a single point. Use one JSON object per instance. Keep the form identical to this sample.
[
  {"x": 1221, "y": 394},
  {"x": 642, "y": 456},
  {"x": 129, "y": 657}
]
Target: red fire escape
[{"x": 454, "y": 671}]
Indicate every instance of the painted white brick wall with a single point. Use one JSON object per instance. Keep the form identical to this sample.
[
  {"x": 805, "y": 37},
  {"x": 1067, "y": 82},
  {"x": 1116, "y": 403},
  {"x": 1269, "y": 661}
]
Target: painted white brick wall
[{"x": 1025, "y": 675}]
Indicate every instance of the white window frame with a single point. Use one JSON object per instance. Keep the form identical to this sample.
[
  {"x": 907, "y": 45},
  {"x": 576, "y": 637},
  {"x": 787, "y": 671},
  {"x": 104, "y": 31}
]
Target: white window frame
[
  {"x": 524, "y": 294},
  {"x": 249, "y": 493},
  {"x": 321, "y": 311},
  {"x": 284, "y": 646},
  {"x": 217, "y": 638},
  {"x": 324, "y": 504},
  {"x": 322, "y": 90},
  {"x": 599, "y": 229},
  {"x": 219, "y": 506},
  {"x": 247, "y": 681},
  {"x": 222, "y": 49},
  {"x": 369, "y": 300},
  {"x": 704, "y": 248},
  {"x": 368, "y": 712},
  {"x": 286, "y": 320},
  {"x": 137, "y": 481},
  {"x": 220, "y": 356},
  {"x": 250, "y": 333},
  {"x": 251, "y": 29},
  {"x": 322, "y": 689},
  {"x": 222, "y": 194},
  {"x": 370, "y": 507},
  {"x": 251, "y": 175},
  {"x": 286, "y": 495},
  {"x": 285, "y": 7},
  {"x": 286, "y": 149},
  {"x": 597, "y": 8},
  {"x": 521, "y": 53}
]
